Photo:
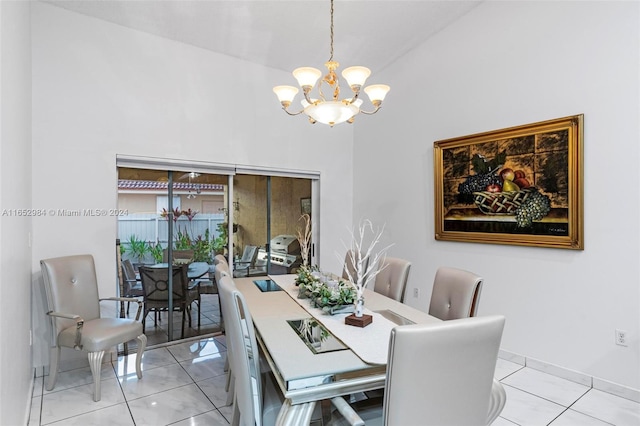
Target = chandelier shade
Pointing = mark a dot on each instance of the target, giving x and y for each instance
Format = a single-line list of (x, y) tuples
[(331, 110), (307, 76)]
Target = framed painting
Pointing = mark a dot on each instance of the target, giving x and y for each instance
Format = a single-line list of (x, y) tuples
[(305, 205), (522, 186)]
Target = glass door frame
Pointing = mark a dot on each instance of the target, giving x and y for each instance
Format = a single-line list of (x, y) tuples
[(314, 177), (187, 166)]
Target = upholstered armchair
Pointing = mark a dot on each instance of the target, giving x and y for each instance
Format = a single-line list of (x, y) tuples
[(73, 305)]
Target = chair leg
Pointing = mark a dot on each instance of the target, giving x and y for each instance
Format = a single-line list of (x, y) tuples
[(235, 418), (184, 310), (231, 387), (199, 311), (95, 362), (220, 310), (54, 356), (144, 318), (142, 344)]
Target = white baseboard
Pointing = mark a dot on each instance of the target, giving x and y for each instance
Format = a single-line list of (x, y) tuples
[(575, 376), (616, 389)]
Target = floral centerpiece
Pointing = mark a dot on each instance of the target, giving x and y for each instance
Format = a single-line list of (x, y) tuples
[(332, 296)]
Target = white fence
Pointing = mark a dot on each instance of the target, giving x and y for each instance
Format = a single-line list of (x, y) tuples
[(155, 229)]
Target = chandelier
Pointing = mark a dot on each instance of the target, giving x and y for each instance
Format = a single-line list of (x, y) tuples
[(331, 110)]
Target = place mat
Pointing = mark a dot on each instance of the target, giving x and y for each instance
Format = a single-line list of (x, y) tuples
[(370, 344)]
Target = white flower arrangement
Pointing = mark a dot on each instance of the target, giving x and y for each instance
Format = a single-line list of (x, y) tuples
[(364, 260)]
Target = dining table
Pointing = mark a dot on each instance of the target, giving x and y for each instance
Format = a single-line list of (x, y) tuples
[(194, 271), (315, 356)]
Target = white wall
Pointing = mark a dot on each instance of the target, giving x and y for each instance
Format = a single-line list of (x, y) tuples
[(16, 373), (100, 90), (506, 64)]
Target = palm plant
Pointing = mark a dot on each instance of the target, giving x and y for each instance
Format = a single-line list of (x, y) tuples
[(138, 249)]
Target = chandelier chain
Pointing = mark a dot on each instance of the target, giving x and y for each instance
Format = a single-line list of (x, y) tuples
[(331, 57)]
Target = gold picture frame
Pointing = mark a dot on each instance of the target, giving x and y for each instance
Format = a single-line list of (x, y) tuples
[(542, 203)]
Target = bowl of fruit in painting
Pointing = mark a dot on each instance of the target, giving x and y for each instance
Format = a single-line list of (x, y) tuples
[(507, 192)]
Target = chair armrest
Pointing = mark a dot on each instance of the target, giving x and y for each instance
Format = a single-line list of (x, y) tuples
[(127, 299), (79, 324), (347, 411)]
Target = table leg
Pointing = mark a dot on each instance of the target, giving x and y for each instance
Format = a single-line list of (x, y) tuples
[(295, 415)]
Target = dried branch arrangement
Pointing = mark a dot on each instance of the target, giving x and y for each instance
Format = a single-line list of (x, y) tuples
[(366, 263), (304, 238)]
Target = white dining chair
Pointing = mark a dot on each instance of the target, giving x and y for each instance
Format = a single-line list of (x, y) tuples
[(218, 259), (440, 374), (221, 271), (350, 260), (257, 400), (455, 294), (392, 278)]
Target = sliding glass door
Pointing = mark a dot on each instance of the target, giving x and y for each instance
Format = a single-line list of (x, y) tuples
[(268, 215), (186, 209), (199, 210)]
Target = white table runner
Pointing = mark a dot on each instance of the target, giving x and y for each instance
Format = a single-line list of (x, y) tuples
[(370, 344)]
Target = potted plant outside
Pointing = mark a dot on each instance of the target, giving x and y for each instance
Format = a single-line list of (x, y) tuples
[(138, 250)]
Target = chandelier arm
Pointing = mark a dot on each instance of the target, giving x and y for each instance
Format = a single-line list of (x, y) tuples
[(292, 113), (355, 97), (307, 98), (320, 93), (371, 112)]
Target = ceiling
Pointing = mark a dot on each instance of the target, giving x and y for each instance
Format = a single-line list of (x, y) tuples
[(285, 34)]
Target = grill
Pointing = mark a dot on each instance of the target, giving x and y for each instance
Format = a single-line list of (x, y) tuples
[(285, 254)]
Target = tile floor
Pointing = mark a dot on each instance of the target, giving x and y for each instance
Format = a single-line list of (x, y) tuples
[(184, 384)]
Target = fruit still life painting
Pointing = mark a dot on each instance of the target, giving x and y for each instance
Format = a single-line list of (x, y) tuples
[(504, 192), (512, 186)]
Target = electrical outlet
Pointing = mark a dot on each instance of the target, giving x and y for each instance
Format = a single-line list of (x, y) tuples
[(621, 337), (416, 293)]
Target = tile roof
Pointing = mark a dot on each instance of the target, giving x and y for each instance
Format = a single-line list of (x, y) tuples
[(142, 185)]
